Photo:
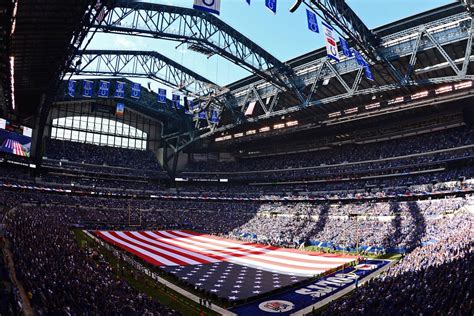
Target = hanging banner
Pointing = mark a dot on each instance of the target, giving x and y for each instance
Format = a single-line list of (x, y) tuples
[(119, 89), (360, 60), (71, 88), (136, 90), (120, 109), (312, 21), (87, 88), (331, 46), (189, 109), (176, 101), (272, 5), (214, 117), (202, 115), (346, 49), (103, 89), (211, 6), (368, 73), (161, 98)]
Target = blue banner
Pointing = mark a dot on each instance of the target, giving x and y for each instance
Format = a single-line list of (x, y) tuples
[(176, 101), (312, 21), (360, 60), (119, 90), (87, 88), (272, 5), (368, 73), (71, 88), (161, 98), (214, 117), (190, 108), (202, 115), (293, 300), (136, 90), (346, 49), (103, 89)]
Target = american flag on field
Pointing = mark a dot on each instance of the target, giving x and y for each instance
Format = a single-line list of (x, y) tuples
[(228, 268), (13, 146)]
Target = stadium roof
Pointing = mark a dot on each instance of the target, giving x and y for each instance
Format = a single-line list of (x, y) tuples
[(40, 46)]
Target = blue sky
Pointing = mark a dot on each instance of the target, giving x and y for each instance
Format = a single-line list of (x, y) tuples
[(285, 35)]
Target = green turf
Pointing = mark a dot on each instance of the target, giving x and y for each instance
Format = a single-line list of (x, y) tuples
[(142, 282)]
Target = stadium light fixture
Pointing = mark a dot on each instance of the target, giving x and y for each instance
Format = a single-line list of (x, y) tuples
[(15, 9), (12, 79)]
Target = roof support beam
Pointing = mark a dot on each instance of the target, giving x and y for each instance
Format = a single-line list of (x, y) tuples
[(143, 64), (198, 29)]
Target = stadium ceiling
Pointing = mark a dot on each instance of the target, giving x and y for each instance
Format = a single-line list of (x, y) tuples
[(42, 45), (144, 64), (202, 31), (431, 48)]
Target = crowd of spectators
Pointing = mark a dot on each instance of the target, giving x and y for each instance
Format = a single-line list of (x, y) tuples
[(351, 153), (434, 279), (62, 278), (101, 155), (384, 225)]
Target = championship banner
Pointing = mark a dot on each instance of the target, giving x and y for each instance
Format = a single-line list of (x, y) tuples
[(189, 109), (119, 89), (103, 89), (272, 5), (211, 6), (312, 21), (71, 88), (331, 46), (214, 117), (136, 90), (202, 115), (120, 109), (176, 101), (346, 49), (161, 98), (87, 88)]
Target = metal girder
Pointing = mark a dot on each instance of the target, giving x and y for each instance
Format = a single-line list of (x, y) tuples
[(422, 39), (145, 64), (198, 29), (340, 13), (393, 46)]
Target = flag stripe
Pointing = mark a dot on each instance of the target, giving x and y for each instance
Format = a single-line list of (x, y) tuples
[(171, 256), (148, 257), (271, 250), (257, 258)]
